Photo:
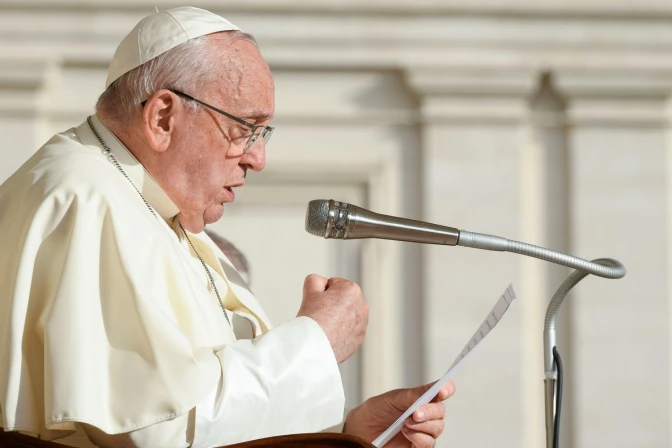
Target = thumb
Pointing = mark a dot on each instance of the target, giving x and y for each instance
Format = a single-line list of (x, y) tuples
[(314, 283), (409, 396)]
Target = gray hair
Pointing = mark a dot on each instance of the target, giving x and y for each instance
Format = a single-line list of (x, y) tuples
[(187, 67)]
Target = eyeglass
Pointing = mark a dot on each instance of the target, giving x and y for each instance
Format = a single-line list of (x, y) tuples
[(257, 131)]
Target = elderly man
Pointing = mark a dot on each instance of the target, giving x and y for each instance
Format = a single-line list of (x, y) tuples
[(122, 322)]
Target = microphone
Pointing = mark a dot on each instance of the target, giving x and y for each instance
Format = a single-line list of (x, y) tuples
[(334, 219)]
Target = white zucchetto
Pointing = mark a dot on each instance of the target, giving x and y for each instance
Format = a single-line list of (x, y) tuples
[(161, 31)]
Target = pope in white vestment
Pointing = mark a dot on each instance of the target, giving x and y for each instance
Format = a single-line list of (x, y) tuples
[(110, 320)]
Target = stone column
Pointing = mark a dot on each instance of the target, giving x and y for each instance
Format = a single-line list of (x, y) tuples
[(620, 342), (23, 87), (472, 133), (668, 231), (544, 199)]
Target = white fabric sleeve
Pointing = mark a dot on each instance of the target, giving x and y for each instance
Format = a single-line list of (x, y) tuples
[(285, 381), (339, 427)]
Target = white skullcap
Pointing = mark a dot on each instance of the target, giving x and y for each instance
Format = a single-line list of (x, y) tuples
[(160, 32)]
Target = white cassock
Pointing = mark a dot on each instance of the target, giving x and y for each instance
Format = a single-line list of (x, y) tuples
[(108, 322)]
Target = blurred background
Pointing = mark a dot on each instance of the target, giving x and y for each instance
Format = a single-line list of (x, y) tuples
[(544, 121)]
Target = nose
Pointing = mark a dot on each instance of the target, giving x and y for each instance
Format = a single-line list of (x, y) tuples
[(256, 158)]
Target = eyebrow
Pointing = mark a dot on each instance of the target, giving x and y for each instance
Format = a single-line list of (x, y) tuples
[(256, 115)]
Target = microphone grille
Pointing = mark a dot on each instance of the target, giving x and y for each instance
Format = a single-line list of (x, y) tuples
[(317, 217)]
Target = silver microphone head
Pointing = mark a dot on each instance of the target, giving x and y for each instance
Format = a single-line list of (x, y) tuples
[(343, 221), (317, 217), (330, 219)]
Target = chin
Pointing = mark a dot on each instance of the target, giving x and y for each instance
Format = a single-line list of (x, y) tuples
[(213, 213)]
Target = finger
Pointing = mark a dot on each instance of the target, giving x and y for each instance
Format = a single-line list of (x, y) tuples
[(314, 283), (332, 282), (337, 282), (418, 439), (430, 411), (433, 428), (407, 397), (446, 392)]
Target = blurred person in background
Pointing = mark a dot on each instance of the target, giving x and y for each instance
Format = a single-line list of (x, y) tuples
[(124, 323), (235, 256)]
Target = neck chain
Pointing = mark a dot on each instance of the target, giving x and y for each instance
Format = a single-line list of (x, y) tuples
[(115, 162)]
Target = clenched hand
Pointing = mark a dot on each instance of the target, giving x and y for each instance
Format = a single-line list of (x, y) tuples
[(339, 307)]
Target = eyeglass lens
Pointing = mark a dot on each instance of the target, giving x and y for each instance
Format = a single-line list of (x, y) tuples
[(264, 132)]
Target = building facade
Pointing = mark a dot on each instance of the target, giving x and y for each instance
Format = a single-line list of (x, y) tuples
[(545, 122)]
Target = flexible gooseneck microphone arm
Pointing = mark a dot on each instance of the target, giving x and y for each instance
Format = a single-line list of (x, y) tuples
[(334, 219), (602, 267)]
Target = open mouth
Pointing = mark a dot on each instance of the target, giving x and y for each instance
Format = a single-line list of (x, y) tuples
[(230, 194)]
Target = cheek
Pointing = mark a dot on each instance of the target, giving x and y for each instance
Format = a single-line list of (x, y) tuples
[(213, 171), (207, 192), (217, 173), (208, 168)]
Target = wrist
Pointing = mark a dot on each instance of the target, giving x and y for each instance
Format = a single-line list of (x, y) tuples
[(352, 421)]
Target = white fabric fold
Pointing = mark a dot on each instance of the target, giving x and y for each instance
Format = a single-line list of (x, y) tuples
[(276, 375), (220, 420)]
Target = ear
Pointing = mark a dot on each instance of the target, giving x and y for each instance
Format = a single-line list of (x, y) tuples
[(159, 115)]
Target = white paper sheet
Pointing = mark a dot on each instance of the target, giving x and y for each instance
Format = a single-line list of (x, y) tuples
[(486, 327)]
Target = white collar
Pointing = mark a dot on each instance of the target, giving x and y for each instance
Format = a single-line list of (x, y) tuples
[(143, 181)]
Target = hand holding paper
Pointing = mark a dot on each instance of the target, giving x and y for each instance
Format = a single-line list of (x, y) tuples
[(491, 320), (374, 416)]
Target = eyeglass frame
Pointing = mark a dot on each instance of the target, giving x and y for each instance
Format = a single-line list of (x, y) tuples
[(267, 131)]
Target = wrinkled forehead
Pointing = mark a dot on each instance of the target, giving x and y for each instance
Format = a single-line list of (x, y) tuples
[(242, 78)]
